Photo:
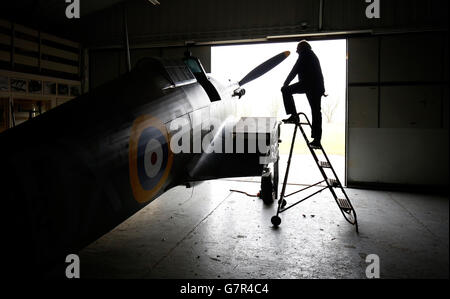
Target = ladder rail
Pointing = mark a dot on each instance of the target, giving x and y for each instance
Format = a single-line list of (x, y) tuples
[(300, 201), (316, 159), (342, 189), (317, 163), (334, 174), (283, 190), (306, 188), (281, 202)]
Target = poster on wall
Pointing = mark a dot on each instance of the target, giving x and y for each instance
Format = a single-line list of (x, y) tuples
[(18, 85)]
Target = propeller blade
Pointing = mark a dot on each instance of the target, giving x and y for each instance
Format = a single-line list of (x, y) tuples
[(264, 67)]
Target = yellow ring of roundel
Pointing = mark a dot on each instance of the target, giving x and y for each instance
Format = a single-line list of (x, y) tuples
[(139, 125)]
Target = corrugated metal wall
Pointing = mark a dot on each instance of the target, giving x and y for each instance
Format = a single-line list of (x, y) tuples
[(177, 21), (201, 20)]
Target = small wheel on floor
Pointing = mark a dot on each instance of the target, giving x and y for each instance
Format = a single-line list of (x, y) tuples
[(276, 221)]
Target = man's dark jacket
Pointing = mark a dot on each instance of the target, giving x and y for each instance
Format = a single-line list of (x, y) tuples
[(309, 72)]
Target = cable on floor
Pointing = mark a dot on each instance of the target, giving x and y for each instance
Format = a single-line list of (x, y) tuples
[(249, 195)]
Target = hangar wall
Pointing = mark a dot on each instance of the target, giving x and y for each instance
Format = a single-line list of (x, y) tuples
[(398, 110), (166, 28), (395, 15), (396, 99), (106, 65), (176, 21)]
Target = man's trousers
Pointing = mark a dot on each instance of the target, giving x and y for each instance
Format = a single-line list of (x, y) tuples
[(314, 99)]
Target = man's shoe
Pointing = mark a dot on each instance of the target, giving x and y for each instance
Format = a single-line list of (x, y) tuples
[(315, 144), (293, 119)]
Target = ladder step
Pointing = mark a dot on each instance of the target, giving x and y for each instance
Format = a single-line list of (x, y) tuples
[(304, 124), (333, 183), (344, 204), (315, 147), (324, 164)]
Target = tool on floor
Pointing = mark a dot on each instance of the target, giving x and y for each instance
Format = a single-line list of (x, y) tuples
[(333, 183)]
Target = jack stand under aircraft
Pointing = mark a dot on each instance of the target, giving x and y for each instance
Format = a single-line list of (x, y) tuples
[(333, 184)]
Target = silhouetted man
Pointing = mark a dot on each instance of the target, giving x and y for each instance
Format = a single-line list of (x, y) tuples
[(310, 82)]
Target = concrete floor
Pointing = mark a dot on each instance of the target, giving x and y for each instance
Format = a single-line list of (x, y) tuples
[(210, 232)]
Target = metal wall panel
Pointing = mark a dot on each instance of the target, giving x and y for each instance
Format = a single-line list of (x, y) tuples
[(363, 107), (445, 108), (394, 14), (411, 107), (177, 21), (398, 157), (409, 143), (445, 54), (412, 58), (363, 60), (346, 14)]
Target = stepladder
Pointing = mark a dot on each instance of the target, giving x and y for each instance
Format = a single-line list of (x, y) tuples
[(329, 180)]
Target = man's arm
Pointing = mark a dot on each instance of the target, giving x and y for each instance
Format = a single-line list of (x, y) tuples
[(292, 74)]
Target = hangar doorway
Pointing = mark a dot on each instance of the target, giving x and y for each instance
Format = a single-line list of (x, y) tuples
[(263, 97)]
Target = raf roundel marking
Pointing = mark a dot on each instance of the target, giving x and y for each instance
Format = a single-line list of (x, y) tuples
[(150, 158), (153, 158)]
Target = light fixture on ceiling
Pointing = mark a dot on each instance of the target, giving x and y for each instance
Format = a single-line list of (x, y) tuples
[(154, 2)]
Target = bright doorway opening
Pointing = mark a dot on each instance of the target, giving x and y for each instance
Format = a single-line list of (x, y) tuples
[(263, 97)]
